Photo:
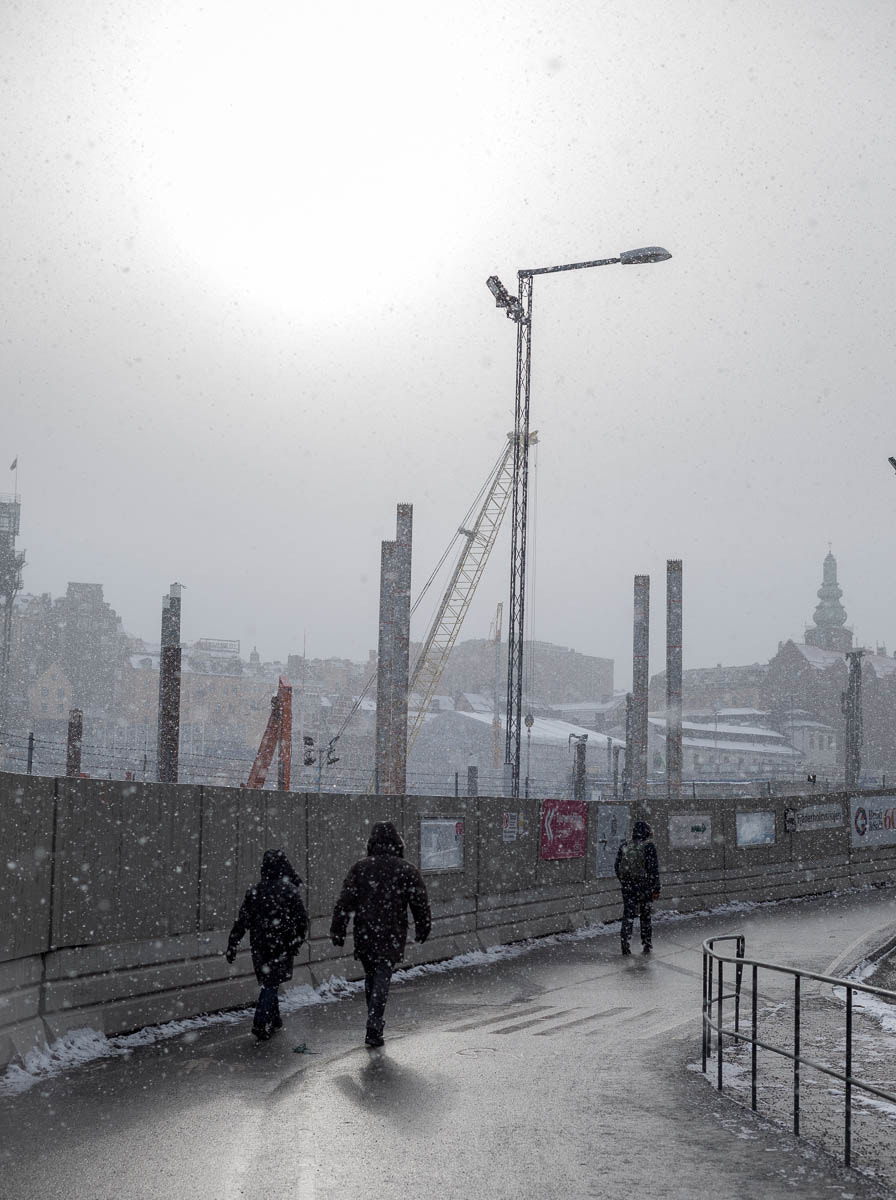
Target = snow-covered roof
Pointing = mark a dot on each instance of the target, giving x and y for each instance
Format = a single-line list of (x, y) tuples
[(546, 729), (880, 664), (713, 728), (760, 748)]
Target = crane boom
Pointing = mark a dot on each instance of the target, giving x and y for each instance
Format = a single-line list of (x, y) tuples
[(477, 546)]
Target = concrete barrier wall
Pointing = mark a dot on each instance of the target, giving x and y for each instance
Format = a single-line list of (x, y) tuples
[(117, 897)]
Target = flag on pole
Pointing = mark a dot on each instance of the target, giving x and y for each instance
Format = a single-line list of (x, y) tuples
[(14, 463)]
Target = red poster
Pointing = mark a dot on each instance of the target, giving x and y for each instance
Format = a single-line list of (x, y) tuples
[(564, 828)]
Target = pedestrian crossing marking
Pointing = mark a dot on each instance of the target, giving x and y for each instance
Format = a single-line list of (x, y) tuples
[(609, 1012), (497, 1020)]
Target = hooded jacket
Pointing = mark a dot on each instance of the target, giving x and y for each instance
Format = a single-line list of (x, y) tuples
[(379, 889), (649, 883), (275, 917)]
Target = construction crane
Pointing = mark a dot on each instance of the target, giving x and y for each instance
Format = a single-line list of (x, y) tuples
[(277, 736), (477, 545), (495, 638)]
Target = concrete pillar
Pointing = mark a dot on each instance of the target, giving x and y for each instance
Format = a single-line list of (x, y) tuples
[(578, 775), (616, 752), (852, 710), (401, 648), (73, 744), (673, 676), (472, 780), (384, 670), (169, 687), (627, 760), (640, 680)]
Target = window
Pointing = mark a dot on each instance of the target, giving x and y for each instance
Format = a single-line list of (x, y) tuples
[(44, 691), (60, 693)]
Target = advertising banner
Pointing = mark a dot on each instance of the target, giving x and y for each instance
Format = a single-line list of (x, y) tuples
[(441, 843), (818, 816), (755, 828), (564, 828), (872, 821), (690, 830)]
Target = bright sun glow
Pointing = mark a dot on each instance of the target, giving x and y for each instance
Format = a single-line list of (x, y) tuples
[(292, 156)]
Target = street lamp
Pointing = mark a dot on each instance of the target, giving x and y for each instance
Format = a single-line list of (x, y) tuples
[(519, 309)]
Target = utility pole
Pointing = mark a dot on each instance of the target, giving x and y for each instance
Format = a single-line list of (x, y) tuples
[(169, 687), (519, 309), (852, 710)]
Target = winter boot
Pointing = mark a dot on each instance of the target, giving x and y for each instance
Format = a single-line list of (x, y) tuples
[(262, 1032), (373, 1038), (626, 948), (646, 949)]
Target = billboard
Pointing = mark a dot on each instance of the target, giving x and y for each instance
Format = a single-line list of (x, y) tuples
[(872, 821), (441, 843), (755, 828), (564, 828)]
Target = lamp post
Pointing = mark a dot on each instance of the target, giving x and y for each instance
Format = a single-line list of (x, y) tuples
[(519, 309)]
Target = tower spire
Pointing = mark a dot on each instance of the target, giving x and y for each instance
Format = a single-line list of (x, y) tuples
[(829, 631)]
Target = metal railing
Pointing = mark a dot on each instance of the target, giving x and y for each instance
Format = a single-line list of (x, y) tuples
[(716, 997)]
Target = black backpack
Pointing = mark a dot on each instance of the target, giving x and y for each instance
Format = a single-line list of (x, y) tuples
[(633, 862)]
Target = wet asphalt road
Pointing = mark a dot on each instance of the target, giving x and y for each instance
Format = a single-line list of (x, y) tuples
[(558, 1074)]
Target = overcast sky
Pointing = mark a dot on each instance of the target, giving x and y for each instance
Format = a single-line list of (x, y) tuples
[(244, 307)]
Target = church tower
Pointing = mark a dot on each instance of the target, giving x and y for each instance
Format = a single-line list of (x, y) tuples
[(829, 631)]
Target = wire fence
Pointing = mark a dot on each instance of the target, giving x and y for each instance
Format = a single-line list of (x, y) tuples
[(135, 759)]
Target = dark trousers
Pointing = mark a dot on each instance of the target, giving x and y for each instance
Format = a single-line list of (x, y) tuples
[(636, 902), (267, 1010), (377, 977)]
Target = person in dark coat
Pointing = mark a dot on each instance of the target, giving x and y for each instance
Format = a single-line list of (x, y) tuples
[(638, 871), (275, 917), (378, 890)]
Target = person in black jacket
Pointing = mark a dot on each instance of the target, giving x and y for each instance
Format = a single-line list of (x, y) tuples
[(638, 872), (275, 917), (378, 890)]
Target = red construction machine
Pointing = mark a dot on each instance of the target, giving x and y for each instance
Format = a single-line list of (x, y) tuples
[(277, 736)]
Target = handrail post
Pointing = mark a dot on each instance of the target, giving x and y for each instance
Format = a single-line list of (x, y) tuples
[(719, 1029), (796, 1055), (847, 1132), (703, 1023), (738, 977), (753, 1030)]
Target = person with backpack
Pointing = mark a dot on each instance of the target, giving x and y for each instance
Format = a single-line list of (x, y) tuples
[(638, 871), (379, 889), (275, 917)]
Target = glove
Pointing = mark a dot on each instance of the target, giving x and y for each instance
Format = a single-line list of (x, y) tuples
[(230, 954), (337, 941)]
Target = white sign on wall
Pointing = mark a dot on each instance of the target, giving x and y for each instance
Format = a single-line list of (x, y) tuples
[(690, 830), (872, 820), (755, 828), (818, 816), (441, 844)]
